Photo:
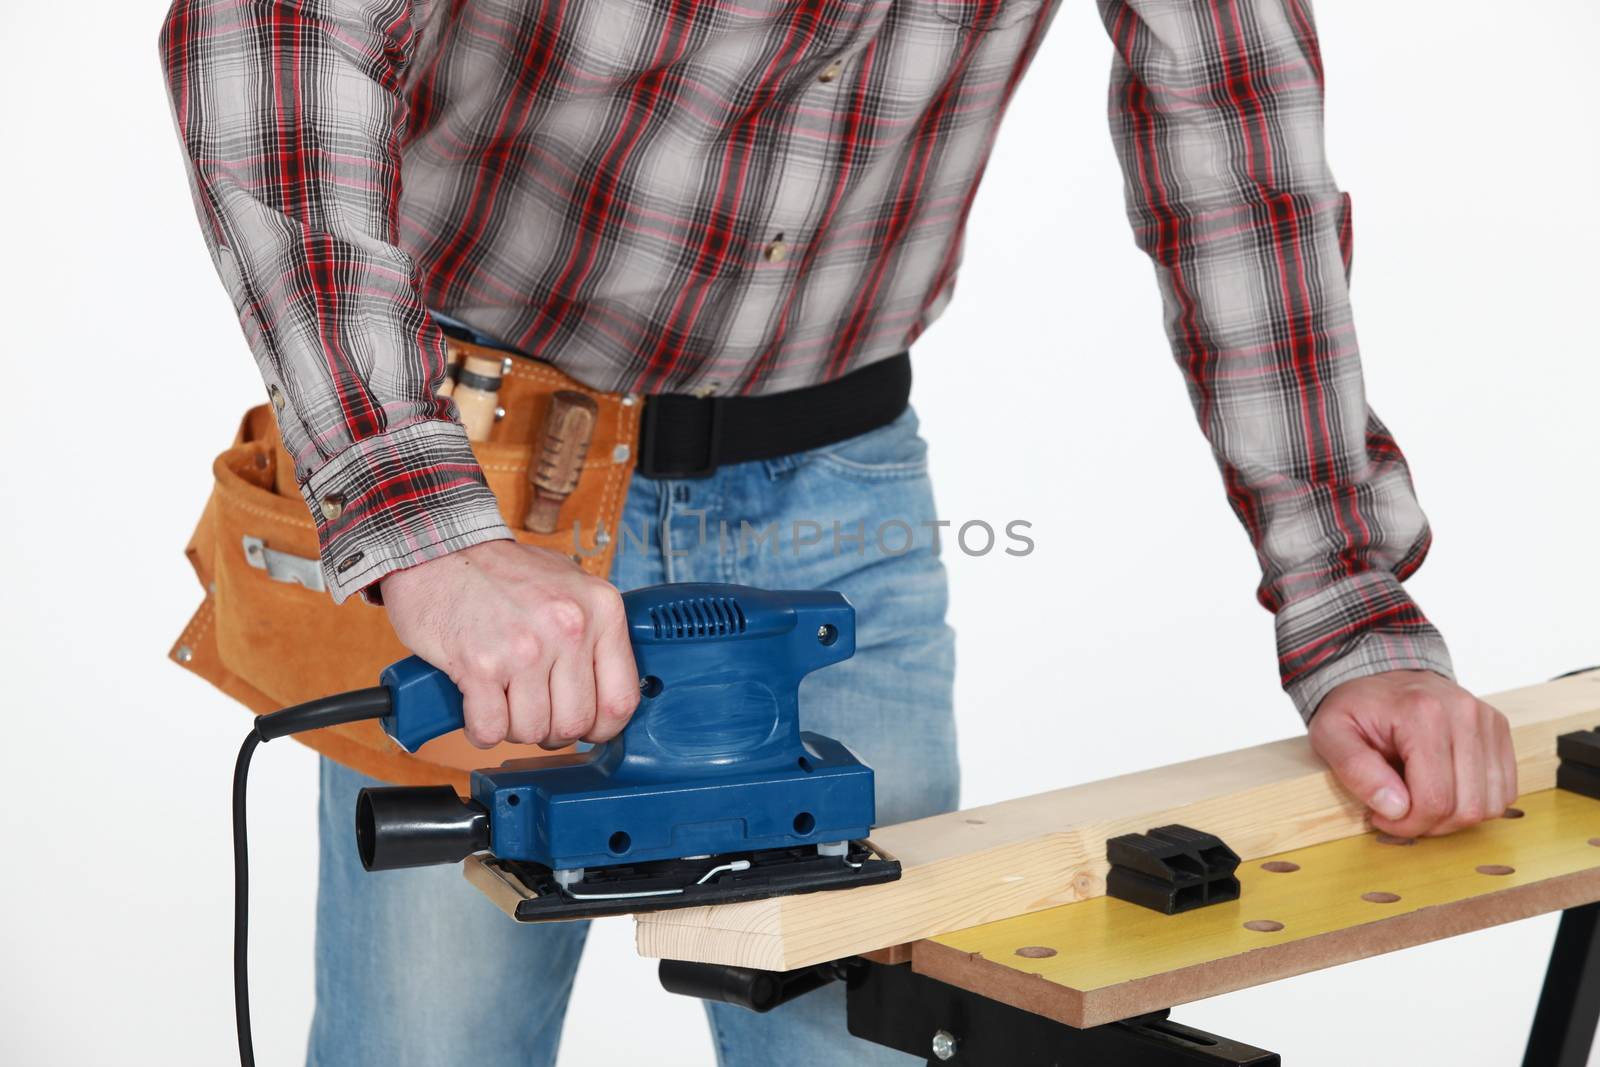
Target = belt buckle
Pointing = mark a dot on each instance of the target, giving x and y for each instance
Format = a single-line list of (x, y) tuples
[(647, 441)]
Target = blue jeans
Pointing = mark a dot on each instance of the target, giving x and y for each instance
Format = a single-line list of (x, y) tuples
[(416, 968)]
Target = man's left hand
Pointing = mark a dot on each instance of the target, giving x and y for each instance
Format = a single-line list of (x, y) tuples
[(1426, 756)]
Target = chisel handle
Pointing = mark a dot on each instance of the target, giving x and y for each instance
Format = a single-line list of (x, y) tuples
[(564, 444)]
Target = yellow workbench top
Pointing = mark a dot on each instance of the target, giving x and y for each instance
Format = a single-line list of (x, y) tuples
[(1102, 959)]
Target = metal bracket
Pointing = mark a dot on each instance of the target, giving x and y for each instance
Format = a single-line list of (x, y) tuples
[(890, 1005), (282, 567), (893, 1006)]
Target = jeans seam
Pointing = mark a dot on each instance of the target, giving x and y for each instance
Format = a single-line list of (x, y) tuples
[(874, 472)]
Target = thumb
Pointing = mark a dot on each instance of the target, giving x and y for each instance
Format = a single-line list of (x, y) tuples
[(1362, 769)]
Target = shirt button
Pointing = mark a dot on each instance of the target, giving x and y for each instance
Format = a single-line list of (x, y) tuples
[(332, 506), (777, 251), (277, 397), (832, 71)]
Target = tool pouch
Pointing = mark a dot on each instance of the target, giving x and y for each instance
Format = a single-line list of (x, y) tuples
[(269, 636)]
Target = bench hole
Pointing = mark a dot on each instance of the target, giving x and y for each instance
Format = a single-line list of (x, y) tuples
[(1036, 952), (1264, 926), (1280, 866), (1495, 869), (1390, 839), (1380, 898), (1513, 813)]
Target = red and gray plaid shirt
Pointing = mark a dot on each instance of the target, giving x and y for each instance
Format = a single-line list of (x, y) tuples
[(702, 195)]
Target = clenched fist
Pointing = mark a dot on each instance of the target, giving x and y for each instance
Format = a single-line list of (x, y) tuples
[(1424, 754), (538, 648)]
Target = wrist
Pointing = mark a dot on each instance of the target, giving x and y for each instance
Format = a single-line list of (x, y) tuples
[(395, 500), (1354, 628)]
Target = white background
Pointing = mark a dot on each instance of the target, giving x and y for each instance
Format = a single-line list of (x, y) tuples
[(1466, 133)]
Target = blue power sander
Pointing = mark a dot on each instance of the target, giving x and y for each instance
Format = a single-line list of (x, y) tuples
[(712, 793)]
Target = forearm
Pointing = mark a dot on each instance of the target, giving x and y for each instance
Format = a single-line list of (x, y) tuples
[(1217, 113), (291, 122)]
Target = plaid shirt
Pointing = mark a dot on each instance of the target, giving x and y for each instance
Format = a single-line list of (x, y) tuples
[(698, 195)]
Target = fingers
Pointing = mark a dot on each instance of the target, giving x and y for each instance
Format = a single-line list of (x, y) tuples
[(1495, 763), (1471, 763), (483, 705), (579, 637), (572, 698), (1507, 751), (530, 705), (1360, 767), (538, 648), (1424, 738), (616, 675), (1455, 751)]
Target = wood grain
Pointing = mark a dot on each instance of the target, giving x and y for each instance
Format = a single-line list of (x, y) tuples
[(1101, 960), (1022, 856)]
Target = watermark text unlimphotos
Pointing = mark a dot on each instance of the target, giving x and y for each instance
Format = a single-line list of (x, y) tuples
[(888, 537)]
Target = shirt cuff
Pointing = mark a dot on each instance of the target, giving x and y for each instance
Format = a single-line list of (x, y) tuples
[(1359, 626), (398, 499)]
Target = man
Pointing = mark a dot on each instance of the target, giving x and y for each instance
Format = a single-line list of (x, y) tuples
[(745, 201)]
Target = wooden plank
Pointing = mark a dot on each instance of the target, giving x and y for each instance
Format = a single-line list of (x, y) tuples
[(1101, 960), (1021, 856)]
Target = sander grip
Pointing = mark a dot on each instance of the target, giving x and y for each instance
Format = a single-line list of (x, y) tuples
[(425, 703)]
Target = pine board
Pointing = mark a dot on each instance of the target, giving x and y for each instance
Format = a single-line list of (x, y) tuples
[(982, 865)]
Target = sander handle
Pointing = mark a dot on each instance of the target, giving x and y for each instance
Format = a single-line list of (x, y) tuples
[(424, 703), (688, 634)]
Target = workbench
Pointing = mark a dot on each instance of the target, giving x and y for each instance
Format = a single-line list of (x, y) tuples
[(1092, 980)]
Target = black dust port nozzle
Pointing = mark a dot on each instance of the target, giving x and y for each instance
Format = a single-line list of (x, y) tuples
[(417, 826)]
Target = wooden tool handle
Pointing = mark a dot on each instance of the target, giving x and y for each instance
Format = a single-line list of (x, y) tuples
[(477, 394), (568, 428), (452, 367)]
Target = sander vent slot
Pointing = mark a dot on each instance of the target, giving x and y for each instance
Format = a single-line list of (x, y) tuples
[(701, 616)]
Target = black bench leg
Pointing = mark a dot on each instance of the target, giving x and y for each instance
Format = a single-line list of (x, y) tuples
[(1569, 1006)]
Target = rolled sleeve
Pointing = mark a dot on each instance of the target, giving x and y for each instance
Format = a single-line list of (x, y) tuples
[(398, 499), (1354, 628)]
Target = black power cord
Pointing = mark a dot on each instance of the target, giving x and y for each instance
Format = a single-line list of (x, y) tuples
[(354, 706)]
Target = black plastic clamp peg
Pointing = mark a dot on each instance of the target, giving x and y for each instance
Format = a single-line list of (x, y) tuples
[(1171, 869), (1579, 770)]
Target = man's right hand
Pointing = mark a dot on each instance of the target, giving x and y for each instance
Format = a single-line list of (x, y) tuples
[(538, 648)]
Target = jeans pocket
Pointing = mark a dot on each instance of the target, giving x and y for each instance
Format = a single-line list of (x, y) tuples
[(891, 452)]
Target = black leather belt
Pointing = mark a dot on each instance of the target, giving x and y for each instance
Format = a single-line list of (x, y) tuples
[(682, 436)]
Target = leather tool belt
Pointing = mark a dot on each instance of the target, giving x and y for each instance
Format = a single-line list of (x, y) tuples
[(269, 635)]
